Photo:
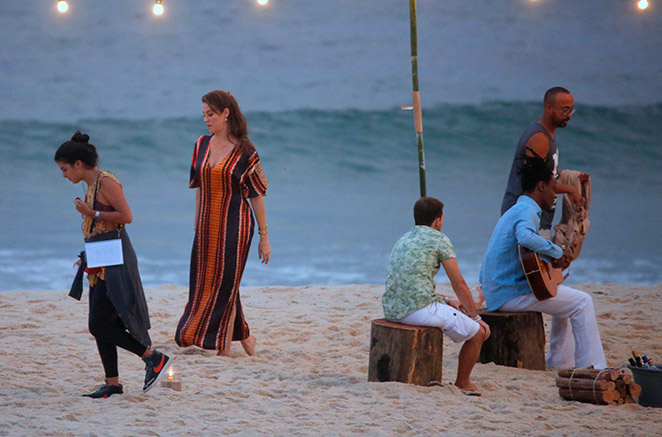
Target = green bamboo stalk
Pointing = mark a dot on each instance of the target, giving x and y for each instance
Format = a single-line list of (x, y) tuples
[(418, 117)]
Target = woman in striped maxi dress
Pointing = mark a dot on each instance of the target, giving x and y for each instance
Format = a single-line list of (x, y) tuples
[(228, 178)]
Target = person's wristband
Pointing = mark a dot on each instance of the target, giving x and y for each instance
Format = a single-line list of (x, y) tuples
[(262, 230), (97, 214), (477, 318)]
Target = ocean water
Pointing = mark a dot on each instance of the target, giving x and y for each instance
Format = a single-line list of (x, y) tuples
[(321, 84)]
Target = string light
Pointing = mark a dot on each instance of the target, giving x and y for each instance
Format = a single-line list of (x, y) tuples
[(158, 8), (62, 6)]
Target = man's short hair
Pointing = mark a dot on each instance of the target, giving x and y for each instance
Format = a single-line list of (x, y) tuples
[(550, 95), (427, 210), (534, 170)]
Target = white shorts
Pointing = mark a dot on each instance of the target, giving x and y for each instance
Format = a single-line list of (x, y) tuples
[(452, 322)]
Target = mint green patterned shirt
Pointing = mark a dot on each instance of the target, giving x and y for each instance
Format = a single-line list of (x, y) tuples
[(415, 261)]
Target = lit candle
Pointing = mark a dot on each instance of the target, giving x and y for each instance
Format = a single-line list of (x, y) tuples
[(173, 381)]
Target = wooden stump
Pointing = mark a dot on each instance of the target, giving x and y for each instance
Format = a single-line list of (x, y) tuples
[(517, 340), (404, 353)]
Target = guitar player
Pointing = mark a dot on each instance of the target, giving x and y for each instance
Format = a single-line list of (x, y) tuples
[(574, 337)]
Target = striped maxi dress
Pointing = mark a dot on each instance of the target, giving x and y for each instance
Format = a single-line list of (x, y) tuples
[(223, 235)]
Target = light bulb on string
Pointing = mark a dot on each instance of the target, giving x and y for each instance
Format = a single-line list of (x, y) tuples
[(62, 6), (643, 4), (158, 8)]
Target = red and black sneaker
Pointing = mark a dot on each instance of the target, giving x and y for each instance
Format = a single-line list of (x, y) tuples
[(105, 391), (155, 367)]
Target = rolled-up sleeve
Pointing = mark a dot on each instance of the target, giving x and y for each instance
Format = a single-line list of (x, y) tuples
[(254, 182), (527, 236)]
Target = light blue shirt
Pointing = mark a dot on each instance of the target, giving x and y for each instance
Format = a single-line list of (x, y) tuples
[(502, 276)]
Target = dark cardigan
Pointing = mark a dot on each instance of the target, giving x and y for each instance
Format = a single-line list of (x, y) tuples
[(123, 286)]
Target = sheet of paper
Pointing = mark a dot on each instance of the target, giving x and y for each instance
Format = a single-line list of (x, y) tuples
[(104, 253)]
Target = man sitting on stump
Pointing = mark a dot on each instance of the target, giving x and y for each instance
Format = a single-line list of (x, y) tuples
[(410, 296), (574, 337)]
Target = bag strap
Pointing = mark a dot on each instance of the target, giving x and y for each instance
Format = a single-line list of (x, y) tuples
[(94, 200)]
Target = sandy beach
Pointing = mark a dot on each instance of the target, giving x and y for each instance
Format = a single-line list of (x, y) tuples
[(309, 376)]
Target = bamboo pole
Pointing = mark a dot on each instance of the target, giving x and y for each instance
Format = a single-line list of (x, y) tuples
[(418, 117)]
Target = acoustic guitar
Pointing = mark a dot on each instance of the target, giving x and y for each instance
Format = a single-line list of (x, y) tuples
[(543, 279)]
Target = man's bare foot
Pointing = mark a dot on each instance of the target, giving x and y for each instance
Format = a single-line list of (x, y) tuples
[(224, 353), (470, 385), (469, 389), (249, 345)]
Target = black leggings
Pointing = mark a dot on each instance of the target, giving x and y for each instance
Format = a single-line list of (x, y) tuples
[(108, 330)]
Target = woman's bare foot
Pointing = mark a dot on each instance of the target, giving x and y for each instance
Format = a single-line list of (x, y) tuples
[(249, 345), (224, 353)]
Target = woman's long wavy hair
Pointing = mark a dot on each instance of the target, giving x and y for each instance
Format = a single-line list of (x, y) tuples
[(219, 100)]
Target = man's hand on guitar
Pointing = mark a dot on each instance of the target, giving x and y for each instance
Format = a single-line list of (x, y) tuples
[(563, 262)]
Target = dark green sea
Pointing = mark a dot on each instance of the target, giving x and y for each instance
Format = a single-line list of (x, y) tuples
[(342, 186)]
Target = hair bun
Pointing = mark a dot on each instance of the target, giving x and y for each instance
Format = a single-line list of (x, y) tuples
[(80, 137)]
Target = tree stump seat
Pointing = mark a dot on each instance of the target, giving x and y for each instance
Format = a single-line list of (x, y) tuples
[(517, 340), (405, 353)]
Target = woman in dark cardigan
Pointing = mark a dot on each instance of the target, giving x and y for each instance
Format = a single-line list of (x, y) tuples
[(118, 310)]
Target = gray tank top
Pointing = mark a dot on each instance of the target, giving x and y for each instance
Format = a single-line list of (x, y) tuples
[(514, 186)]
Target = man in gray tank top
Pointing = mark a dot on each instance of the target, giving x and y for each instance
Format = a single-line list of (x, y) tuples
[(539, 139)]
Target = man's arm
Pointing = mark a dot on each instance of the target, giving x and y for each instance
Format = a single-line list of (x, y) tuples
[(576, 198), (462, 291), (459, 285), (526, 235), (538, 144)]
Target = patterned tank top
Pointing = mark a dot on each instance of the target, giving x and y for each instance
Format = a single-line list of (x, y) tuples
[(93, 226)]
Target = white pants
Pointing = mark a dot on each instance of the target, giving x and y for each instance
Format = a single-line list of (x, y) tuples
[(574, 337), (452, 322)]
